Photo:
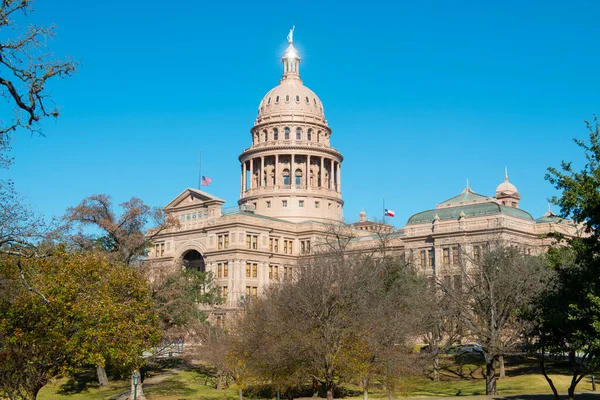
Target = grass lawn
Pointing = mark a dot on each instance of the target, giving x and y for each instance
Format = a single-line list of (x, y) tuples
[(457, 379)]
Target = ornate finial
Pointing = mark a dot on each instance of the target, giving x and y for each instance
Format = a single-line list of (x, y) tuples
[(505, 174), (290, 36), (467, 184)]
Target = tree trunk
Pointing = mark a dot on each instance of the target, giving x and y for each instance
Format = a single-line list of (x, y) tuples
[(240, 394), (390, 394), (219, 381), (436, 368), (137, 393), (571, 392), (315, 388), (541, 359), (365, 385), (101, 374), (490, 376), (329, 386), (501, 365)]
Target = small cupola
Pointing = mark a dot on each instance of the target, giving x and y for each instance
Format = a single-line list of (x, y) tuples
[(507, 193)]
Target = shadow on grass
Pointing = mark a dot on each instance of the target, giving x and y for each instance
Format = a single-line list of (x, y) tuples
[(169, 387), (80, 381)]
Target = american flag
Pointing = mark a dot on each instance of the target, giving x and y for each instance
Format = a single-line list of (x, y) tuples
[(206, 180)]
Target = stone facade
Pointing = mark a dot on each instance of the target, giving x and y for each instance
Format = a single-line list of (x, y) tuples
[(291, 196)]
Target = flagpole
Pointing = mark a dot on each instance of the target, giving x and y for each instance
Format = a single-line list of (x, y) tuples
[(383, 210), (200, 170)]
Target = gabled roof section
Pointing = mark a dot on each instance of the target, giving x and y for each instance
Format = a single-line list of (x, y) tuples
[(192, 198), (467, 196)]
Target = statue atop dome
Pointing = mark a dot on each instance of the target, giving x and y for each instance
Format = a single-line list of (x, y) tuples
[(290, 36)]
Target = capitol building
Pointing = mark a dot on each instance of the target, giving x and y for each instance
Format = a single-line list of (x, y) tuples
[(291, 196)]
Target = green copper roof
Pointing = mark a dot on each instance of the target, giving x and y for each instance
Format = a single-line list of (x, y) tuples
[(469, 210), (550, 217), (467, 196)]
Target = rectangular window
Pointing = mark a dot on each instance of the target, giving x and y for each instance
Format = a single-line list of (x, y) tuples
[(254, 291), (300, 203), (457, 282), (252, 242), (287, 273), (224, 294), (270, 272), (248, 288), (248, 269), (268, 204), (477, 253), (423, 259), (225, 269), (254, 270), (446, 256), (455, 256), (223, 241), (317, 204), (431, 258), (270, 244), (283, 203), (305, 247), (219, 270), (288, 246)]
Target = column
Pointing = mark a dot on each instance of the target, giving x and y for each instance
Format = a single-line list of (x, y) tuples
[(244, 180), (331, 175), (307, 171), (276, 169), (293, 170), (322, 172), (251, 172), (262, 172), (339, 177), (230, 288)]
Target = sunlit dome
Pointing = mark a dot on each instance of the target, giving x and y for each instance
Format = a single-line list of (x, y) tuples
[(291, 97)]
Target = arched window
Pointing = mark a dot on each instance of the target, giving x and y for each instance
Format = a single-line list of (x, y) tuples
[(309, 134), (269, 101), (286, 132), (286, 176), (287, 97), (298, 133), (298, 176), (277, 99), (307, 100), (275, 134), (297, 98)]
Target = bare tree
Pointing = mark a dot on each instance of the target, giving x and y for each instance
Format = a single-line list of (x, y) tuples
[(26, 66), (492, 290), (344, 317), (124, 236)]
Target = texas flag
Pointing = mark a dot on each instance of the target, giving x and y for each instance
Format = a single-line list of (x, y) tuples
[(389, 213), (206, 180)]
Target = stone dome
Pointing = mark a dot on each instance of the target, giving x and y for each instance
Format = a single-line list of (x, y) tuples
[(506, 187), (291, 97)]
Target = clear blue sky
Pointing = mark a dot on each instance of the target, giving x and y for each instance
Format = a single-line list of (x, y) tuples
[(421, 95)]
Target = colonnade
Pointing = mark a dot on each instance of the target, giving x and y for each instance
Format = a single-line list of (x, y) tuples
[(281, 171)]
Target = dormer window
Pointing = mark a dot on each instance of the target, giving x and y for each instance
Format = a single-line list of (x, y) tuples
[(277, 99), (287, 97), (269, 101), (297, 98)]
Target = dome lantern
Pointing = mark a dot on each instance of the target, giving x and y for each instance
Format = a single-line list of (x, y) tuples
[(291, 59)]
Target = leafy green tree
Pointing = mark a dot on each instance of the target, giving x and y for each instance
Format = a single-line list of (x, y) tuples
[(94, 311), (566, 316)]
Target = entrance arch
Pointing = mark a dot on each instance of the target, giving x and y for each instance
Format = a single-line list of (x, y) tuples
[(194, 260)]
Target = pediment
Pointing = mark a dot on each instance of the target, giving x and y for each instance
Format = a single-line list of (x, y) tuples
[(191, 198)]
